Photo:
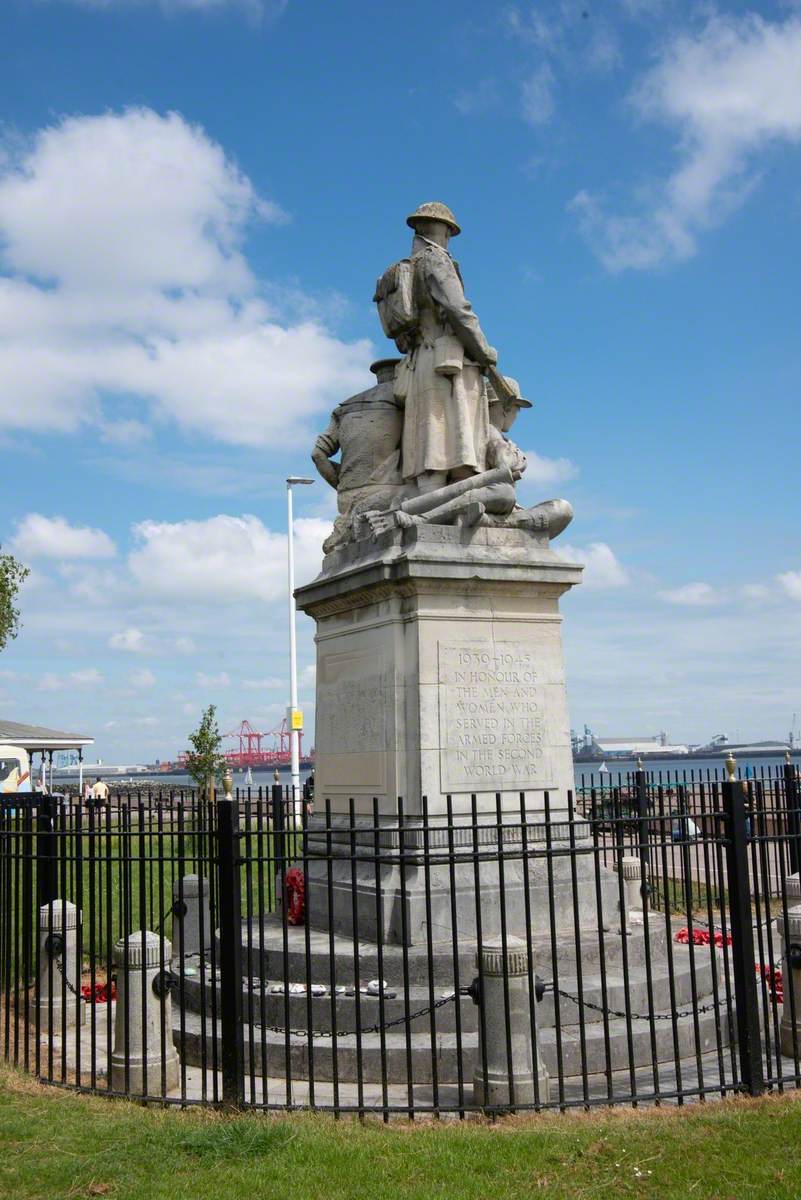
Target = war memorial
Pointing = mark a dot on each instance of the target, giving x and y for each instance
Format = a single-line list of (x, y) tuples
[(456, 926)]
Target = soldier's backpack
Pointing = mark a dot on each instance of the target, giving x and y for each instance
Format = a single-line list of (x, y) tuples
[(394, 295)]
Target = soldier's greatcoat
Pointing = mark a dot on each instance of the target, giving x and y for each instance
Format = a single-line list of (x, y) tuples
[(446, 419)]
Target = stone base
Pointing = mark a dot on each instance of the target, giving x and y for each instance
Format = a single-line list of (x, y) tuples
[(134, 1082), (54, 1016), (439, 674), (405, 896), (790, 1036), (498, 1091)]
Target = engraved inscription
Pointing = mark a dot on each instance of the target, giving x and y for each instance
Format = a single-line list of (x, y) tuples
[(491, 721)]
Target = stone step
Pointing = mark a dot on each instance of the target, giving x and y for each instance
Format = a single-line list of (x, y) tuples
[(263, 1007), (264, 954), (278, 1054)]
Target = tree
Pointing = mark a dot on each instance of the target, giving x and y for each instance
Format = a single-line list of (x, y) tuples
[(12, 576), (204, 762)]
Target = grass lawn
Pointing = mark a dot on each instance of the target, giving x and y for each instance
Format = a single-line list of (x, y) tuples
[(59, 1145)]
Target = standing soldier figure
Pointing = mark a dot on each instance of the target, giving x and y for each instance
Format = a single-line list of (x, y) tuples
[(422, 306)]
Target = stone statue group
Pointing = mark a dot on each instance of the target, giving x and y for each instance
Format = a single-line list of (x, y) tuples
[(429, 442)]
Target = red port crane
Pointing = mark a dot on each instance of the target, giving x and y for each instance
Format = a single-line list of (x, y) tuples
[(250, 752)]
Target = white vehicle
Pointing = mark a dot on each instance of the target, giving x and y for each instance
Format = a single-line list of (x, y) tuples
[(15, 770)]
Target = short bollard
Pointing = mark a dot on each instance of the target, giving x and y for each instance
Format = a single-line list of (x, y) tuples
[(498, 1086), (631, 872), (191, 915), (790, 1029), (143, 1021), (57, 998), (793, 892)]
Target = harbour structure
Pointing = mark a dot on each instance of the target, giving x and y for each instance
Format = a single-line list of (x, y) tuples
[(251, 752)]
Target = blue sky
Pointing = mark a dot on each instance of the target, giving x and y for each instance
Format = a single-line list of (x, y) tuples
[(196, 197)]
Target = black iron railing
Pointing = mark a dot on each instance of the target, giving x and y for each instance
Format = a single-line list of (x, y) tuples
[(639, 943)]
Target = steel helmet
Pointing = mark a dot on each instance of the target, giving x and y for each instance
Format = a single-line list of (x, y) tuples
[(433, 210)]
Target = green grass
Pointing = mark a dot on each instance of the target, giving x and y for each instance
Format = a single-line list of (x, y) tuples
[(123, 882), (673, 892), (57, 1145)]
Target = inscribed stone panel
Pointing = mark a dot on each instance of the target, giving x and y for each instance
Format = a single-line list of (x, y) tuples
[(491, 718)]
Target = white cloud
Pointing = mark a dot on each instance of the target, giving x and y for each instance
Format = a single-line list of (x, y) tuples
[(134, 285), (602, 569), (143, 679), (546, 472), (221, 680), (50, 682), (536, 96), (133, 641), (263, 685), (755, 591), (790, 582), (223, 558), (88, 677), (185, 645), (692, 595), (54, 537), (728, 93)]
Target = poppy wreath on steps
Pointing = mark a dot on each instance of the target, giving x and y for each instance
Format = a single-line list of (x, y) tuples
[(295, 888)]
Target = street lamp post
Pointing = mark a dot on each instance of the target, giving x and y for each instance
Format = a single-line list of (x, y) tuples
[(294, 738)]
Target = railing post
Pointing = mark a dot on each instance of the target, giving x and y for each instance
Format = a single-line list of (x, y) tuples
[(230, 898), (641, 787), (792, 800), (46, 850), (749, 1042), (279, 836)]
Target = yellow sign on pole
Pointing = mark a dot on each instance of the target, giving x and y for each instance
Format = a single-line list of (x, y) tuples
[(295, 720)]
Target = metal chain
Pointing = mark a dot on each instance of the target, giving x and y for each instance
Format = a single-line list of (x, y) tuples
[(632, 1016), (343, 1033), (60, 970)]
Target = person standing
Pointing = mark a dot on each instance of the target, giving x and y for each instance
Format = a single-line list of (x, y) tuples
[(100, 790), (439, 381)]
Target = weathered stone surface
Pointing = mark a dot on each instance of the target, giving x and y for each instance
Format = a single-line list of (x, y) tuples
[(143, 1019), (439, 672), (509, 1067), (57, 1000), (191, 921)]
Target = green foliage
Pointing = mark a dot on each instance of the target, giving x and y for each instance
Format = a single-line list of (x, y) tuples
[(12, 576), (204, 761)]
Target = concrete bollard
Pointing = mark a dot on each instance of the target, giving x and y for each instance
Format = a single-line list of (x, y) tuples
[(190, 902), (631, 870), (790, 1030), (140, 960), (793, 889), (498, 1087), (59, 989)]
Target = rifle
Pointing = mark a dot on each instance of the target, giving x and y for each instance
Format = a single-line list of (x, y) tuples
[(500, 386)]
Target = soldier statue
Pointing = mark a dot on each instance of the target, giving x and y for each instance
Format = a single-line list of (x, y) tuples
[(429, 443)]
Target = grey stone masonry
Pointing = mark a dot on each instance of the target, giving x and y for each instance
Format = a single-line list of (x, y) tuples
[(144, 1060), (509, 1067), (191, 919), (791, 1028), (630, 869), (57, 1000)]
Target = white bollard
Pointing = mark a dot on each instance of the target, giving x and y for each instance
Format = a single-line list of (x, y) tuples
[(137, 1061), (499, 1087), (789, 1029), (631, 871), (58, 994), (190, 902), (793, 889)]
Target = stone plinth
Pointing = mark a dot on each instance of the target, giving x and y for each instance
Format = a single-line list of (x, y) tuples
[(440, 673)]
